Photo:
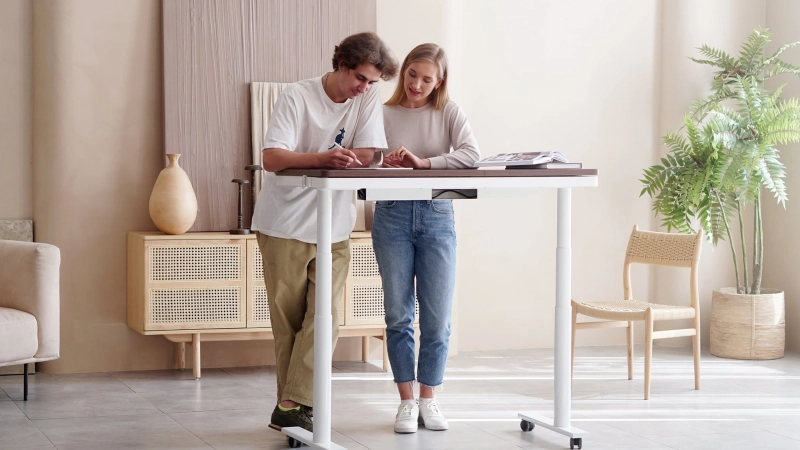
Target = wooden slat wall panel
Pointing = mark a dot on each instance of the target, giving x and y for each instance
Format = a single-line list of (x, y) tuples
[(212, 51)]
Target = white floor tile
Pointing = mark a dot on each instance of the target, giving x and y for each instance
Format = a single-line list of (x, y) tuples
[(731, 441), (120, 432), (741, 405), (21, 433)]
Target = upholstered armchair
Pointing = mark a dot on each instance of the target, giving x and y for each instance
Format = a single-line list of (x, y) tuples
[(29, 304)]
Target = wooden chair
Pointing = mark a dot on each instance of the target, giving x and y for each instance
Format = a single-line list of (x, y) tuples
[(647, 247)]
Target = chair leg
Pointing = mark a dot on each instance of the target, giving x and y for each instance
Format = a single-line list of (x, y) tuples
[(629, 336), (572, 349), (696, 343), (648, 350), (25, 382)]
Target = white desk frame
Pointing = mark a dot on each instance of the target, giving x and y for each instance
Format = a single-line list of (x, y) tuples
[(408, 188)]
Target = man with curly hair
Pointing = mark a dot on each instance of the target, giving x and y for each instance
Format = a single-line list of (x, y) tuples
[(333, 121)]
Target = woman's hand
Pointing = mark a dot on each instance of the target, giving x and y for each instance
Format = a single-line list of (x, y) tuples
[(392, 159), (402, 157)]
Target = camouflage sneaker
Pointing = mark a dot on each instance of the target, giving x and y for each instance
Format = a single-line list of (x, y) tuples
[(292, 418)]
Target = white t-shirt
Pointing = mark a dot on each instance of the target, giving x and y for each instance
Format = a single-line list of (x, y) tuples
[(306, 120)]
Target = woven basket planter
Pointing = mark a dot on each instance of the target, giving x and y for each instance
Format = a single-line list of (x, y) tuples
[(747, 326)]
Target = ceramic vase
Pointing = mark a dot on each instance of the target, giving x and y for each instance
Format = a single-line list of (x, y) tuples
[(173, 204)]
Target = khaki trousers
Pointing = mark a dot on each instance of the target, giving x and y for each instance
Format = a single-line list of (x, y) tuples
[(290, 275)]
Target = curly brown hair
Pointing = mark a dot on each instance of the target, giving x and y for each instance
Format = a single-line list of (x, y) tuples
[(365, 48)]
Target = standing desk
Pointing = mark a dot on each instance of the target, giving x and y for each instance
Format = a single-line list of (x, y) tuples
[(427, 185)]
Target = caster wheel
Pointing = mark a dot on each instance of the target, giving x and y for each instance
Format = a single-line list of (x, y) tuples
[(573, 442), (294, 443), (526, 426)]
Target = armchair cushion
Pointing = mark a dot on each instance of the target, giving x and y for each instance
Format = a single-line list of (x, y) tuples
[(29, 282), (18, 333)]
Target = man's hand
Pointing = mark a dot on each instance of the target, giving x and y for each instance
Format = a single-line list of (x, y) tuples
[(402, 157), (337, 158), (277, 159)]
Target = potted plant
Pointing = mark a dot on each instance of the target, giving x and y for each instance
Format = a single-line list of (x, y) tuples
[(719, 163)]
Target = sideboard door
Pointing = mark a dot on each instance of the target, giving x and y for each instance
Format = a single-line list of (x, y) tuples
[(194, 284)]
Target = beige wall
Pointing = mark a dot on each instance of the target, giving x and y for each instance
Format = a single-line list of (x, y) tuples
[(601, 81), (16, 173), (536, 75), (98, 143), (542, 76), (781, 237), (98, 148)]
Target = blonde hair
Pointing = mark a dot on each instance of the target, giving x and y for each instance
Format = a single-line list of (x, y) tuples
[(428, 53)]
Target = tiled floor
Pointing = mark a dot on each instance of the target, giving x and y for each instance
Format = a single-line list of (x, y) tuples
[(742, 405)]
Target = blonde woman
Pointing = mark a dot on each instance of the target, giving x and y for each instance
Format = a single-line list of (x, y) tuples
[(417, 239)]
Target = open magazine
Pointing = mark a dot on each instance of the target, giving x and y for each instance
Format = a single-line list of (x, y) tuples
[(522, 159)]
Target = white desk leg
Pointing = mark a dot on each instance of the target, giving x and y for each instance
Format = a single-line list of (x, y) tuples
[(563, 397), (563, 323), (323, 332)]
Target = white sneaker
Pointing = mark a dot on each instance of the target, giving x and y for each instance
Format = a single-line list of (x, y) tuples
[(407, 414), (430, 416)]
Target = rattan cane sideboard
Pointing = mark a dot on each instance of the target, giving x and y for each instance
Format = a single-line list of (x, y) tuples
[(198, 287)]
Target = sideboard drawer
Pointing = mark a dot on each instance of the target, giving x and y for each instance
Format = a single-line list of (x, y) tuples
[(195, 308), (214, 281), (187, 282), (194, 261)]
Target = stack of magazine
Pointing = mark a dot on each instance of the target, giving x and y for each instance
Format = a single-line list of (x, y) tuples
[(529, 160)]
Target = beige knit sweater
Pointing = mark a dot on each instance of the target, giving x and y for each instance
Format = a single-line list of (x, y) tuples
[(443, 136)]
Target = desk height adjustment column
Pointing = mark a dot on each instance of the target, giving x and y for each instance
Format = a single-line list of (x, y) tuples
[(323, 331), (563, 322), (562, 410)]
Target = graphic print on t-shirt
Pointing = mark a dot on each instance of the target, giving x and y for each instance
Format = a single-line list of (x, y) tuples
[(338, 139)]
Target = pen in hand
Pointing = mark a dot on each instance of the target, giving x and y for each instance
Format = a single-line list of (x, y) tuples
[(336, 144)]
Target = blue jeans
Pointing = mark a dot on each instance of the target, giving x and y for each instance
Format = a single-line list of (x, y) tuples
[(416, 239)]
